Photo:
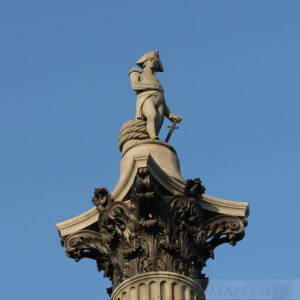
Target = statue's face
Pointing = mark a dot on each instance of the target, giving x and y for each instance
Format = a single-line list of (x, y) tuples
[(152, 63)]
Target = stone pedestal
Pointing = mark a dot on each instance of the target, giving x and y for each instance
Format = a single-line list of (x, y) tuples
[(158, 286)]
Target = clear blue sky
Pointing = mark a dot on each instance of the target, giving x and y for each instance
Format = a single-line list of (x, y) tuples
[(232, 72)]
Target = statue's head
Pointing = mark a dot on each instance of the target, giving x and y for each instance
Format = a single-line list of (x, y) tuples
[(151, 58)]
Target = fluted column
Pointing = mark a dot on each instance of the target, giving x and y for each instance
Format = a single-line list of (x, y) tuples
[(158, 286)]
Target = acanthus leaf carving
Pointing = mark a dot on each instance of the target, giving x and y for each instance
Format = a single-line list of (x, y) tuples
[(86, 242), (153, 231), (215, 227)]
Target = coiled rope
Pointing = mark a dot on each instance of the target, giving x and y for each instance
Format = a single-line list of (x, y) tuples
[(132, 129)]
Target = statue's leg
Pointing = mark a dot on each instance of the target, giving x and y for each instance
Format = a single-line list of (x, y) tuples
[(159, 117), (149, 112)]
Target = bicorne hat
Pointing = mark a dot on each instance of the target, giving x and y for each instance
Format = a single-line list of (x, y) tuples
[(146, 56)]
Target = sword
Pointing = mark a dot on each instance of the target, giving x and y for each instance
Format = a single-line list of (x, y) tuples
[(172, 127)]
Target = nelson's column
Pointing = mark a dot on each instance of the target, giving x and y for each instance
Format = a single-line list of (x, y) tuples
[(153, 234)]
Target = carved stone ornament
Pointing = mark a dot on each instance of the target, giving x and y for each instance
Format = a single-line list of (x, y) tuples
[(154, 231)]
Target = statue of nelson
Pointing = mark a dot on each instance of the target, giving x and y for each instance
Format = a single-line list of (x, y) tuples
[(150, 105)]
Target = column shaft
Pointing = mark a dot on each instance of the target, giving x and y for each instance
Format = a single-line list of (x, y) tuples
[(158, 286)]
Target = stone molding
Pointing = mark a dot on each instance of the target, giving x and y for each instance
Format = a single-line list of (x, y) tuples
[(133, 143)]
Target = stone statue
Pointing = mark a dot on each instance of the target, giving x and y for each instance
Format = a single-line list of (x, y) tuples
[(150, 105)]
